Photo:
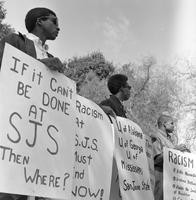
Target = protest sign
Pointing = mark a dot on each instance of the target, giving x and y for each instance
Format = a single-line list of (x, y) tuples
[(37, 126), (131, 159), (179, 175), (150, 157), (93, 152)]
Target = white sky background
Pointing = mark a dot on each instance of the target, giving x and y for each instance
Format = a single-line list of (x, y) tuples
[(124, 30)]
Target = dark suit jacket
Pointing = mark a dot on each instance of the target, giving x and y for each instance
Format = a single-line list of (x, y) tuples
[(114, 103), (21, 42)]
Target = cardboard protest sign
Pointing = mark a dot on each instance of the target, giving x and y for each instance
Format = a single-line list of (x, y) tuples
[(37, 126), (93, 152), (179, 175), (131, 159), (150, 157)]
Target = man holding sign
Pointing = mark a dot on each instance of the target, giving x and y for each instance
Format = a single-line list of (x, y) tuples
[(120, 91), (163, 139), (42, 25)]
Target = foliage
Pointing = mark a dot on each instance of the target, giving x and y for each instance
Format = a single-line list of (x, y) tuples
[(78, 68), (154, 99), (2, 11), (5, 29), (185, 101), (94, 88), (154, 91)]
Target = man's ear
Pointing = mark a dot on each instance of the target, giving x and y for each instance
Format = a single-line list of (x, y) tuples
[(121, 89), (39, 22)]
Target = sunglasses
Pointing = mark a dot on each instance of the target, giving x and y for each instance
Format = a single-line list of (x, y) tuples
[(53, 20)]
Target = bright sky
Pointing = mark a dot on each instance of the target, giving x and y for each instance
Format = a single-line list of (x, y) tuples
[(124, 30)]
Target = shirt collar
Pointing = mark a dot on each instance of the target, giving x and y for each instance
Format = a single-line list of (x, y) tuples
[(38, 42)]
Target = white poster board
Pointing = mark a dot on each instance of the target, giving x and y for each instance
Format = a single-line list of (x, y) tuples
[(131, 159), (179, 175), (37, 126), (94, 152)]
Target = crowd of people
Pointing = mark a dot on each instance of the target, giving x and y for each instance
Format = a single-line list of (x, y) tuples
[(42, 25)]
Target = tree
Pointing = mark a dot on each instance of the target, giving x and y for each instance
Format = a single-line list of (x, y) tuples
[(152, 93), (185, 102), (78, 68), (94, 88), (5, 29)]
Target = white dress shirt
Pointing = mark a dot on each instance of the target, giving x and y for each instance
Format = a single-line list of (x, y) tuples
[(41, 50)]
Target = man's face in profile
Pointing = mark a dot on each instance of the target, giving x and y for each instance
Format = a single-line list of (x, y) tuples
[(126, 91), (169, 126), (50, 27)]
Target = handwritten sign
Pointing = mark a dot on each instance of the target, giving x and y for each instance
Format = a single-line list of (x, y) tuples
[(94, 152), (179, 175), (130, 154), (37, 126), (150, 157)]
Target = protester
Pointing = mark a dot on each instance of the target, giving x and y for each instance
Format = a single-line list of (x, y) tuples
[(162, 139), (120, 91), (42, 25)]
